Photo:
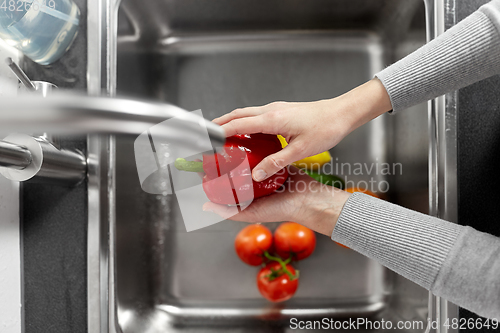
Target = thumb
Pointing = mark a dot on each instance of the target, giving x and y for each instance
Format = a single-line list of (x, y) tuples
[(275, 162)]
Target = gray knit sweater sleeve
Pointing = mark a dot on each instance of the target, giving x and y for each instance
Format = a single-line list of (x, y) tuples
[(464, 54), (457, 263)]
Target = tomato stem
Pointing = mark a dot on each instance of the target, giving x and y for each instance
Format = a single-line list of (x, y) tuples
[(283, 265)]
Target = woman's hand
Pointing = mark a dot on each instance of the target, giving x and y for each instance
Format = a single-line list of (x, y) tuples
[(311, 127), (302, 200)]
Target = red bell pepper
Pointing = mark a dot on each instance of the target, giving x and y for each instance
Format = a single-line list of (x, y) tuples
[(228, 175)]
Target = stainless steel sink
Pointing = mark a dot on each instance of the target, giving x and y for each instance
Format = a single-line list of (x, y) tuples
[(219, 55)]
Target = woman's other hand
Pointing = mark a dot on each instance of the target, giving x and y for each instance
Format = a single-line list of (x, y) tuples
[(302, 200)]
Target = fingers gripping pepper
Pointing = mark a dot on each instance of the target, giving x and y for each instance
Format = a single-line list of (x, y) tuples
[(228, 175)]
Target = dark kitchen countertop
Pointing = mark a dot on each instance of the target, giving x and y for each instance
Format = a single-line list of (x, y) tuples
[(54, 227)]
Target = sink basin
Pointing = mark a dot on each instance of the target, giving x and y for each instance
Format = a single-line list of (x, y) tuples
[(217, 56)]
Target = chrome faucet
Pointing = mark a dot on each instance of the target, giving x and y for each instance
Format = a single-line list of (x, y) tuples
[(23, 157)]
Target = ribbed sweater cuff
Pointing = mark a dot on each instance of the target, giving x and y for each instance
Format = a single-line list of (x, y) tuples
[(412, 244), (466, 53)]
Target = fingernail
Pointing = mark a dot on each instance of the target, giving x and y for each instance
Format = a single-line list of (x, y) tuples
[(208, 210), (259, 175)]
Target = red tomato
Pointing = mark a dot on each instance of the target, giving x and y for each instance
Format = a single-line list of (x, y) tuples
[(251, 242), (274, 284), (295, 239)]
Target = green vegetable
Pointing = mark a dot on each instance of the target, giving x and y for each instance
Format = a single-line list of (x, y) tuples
[(331, 180), (193, 166)]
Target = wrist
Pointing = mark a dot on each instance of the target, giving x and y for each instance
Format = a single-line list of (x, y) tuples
[(323, 210), (367, 102)]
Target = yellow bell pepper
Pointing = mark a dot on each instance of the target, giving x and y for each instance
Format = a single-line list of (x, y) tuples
[(311, 163)]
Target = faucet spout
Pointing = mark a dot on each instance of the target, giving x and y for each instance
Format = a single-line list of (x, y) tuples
[(68, 114), (23, 157)]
